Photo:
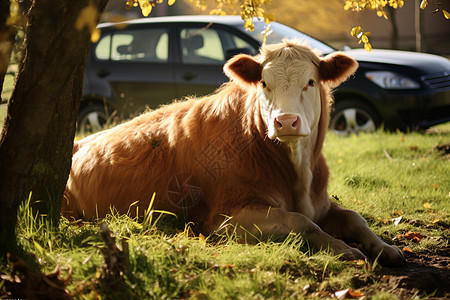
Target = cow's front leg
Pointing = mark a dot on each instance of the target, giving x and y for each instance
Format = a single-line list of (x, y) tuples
[(264, 222), (350, 226)]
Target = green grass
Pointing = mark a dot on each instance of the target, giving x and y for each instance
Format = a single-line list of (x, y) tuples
[(382, 176), (2, 115), (7, 87), (6, 93)]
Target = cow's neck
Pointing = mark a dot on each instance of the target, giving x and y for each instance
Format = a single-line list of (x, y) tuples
[(301, 152)]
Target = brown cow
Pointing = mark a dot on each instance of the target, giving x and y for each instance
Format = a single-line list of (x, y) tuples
[(251, 151)]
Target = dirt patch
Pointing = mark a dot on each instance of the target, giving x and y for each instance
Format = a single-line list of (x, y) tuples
[(426, 274)]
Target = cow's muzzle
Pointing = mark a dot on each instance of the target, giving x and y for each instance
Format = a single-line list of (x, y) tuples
[(287, 125)]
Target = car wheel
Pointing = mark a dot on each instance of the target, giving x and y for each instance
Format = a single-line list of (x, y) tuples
[(353, 116), (92, 118)]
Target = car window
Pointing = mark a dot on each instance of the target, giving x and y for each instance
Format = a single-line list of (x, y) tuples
[(103, 49), (140, 45), (279, 31), (201, 45)]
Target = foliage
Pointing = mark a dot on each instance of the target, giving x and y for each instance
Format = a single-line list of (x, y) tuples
[(380, 7), (248, 9), (146, 6)]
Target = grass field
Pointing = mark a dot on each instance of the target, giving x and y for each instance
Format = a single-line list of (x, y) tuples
[(398, 182)]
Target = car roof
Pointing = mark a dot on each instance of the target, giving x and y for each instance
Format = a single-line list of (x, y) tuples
[(228, 20)]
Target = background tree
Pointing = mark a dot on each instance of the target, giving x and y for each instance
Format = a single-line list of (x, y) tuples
[(37, 137), (382, 9)]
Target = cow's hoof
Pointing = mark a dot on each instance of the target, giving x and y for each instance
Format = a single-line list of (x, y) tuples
[(352, 254), (390, 256)]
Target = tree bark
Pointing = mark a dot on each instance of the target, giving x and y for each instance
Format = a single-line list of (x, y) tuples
[(37, 137), (394, 33)]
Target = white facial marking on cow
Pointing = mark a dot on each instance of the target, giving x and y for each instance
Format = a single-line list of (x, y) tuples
[(290, 99)]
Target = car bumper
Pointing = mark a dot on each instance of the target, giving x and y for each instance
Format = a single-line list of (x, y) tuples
[(416, 111)]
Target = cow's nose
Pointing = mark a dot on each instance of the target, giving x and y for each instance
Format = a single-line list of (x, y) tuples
[(287, 124)]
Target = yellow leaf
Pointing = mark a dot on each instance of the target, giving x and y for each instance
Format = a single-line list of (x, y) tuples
[(171, 2), (435, 221), (427, 205), (249, 24), (269, 18), (446, 14), (365, 39), (423, 4), (87, 17), (146, 7), (356, 31), (368, 47), (95, 35)]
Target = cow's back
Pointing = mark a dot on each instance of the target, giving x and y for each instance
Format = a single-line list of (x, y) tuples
[(201, 158)]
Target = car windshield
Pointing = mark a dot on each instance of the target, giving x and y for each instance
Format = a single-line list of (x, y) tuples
[(280, 31)]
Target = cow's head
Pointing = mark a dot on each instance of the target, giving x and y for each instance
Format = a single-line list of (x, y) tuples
[(289, 77)]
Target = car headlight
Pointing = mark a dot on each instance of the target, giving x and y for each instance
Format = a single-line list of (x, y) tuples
[(391, 80)]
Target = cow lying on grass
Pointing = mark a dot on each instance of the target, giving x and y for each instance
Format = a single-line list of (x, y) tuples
[(251, 151)]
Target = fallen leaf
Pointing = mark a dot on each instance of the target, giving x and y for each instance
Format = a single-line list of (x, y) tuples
[(396, 221), (227, 266), (427, 205), (341, 294), (386, 278), (411, 235), (413, 148), (435, 221), (406, 249), (348, 293), (355, 293)]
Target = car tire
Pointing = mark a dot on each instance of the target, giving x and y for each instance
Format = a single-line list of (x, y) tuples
[(92, 118), (353, 116)]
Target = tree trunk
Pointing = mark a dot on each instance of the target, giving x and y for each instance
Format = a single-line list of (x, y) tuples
[(394, 33), (37, 138)]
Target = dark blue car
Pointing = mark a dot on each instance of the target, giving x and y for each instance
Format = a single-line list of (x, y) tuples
[(144, 63)]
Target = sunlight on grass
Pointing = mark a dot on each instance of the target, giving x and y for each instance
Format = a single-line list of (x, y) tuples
[(387, 175), (398, 182)]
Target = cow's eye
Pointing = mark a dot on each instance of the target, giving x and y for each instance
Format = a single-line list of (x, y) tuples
[(311, 82), (263, 83)]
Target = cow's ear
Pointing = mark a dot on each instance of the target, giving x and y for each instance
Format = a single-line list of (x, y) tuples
[(335, 68), (243, 67)]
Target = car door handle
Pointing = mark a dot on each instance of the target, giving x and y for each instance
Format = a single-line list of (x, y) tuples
[(188, 76), (103, 73)]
